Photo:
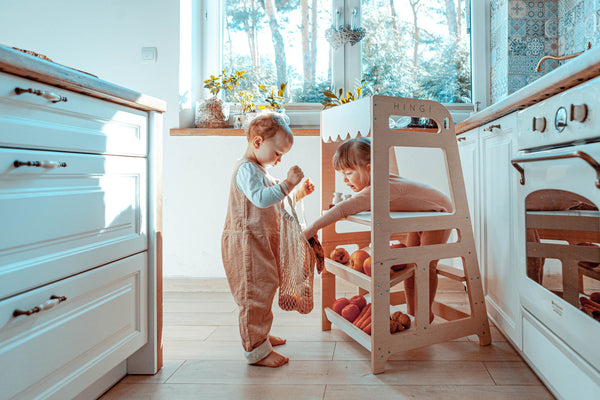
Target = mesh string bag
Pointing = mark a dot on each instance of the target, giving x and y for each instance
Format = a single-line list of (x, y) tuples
[(297, 265)]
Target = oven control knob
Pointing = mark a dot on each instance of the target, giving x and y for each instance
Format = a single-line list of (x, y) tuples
[(579, 112), (539, 124), (560, 119)]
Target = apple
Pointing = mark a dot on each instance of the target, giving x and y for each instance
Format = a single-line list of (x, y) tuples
[(340, 255), (357, 260)]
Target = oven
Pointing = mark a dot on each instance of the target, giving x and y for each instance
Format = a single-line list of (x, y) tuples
[(557, 177)]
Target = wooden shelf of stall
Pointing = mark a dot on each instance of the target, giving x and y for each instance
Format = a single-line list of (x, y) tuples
[(298, 131)]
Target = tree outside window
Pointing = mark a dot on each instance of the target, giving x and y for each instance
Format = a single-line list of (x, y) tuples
[(412, 48)]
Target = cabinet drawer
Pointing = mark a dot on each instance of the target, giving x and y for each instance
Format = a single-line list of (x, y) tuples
[(81, 124), (58, 352), (61, 221)]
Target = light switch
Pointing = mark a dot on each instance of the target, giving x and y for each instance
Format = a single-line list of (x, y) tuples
[(149, 54)]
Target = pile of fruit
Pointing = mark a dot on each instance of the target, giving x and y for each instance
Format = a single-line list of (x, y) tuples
[(360, 260), (591, 306), (357, 311)]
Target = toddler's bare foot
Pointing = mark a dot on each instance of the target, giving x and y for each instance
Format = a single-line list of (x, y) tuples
[(276, 341), (273, 360)]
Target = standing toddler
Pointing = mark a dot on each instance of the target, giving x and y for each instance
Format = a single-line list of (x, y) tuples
[(250, 241)]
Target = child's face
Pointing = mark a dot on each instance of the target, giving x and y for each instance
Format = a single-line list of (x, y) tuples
[(269, 152), (357, 179)]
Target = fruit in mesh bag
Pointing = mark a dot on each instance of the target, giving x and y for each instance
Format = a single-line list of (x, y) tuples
[(357, 260), (340, 255), (305, 304), (359, 300), (350, 312), (339, 304), (287, 302), (398, 267)]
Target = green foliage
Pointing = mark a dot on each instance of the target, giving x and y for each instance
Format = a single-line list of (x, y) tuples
[(447, 78), (331, 99), (274, 100), (224, 81)]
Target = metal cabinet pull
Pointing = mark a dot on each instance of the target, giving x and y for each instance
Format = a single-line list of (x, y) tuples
[(40, 164), (492, 127), (54, 300), (576, 154), (53, 97)]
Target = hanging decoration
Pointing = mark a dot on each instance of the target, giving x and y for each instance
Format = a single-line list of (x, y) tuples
[(338, 35)]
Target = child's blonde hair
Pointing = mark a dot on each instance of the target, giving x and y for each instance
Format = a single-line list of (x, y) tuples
[(353, 153), (266, 125)]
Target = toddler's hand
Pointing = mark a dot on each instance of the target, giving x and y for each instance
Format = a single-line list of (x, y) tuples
[(307, 188), (294, 176)]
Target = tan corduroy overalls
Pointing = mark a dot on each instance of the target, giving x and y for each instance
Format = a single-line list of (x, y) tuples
[(250, 251)]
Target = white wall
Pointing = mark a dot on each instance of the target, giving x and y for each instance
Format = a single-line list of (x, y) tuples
[(105, 38)]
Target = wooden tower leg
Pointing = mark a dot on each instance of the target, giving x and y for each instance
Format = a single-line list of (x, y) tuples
[(327, 297)]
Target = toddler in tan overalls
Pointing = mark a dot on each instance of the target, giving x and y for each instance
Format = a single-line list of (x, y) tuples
[(250, 241)]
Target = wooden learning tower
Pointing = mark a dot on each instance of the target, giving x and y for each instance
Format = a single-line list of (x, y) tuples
[(371, 115)]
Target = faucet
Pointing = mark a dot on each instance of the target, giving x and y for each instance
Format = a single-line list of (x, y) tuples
[(566, 57)]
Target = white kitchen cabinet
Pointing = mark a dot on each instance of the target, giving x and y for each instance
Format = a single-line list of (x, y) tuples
[(497, 224), (468, 146), (80, 260)]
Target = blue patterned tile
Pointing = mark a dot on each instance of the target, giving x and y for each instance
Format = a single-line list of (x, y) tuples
[(535, 46), (579, 36), (535, 9), (522, 64), (551, 9), (517, 28), (535, 27), (517, 9), (590, 26), (551, 46), (517, 47), (551, 28)]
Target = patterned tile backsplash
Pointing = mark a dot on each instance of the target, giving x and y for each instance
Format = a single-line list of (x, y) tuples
[(523, 31)]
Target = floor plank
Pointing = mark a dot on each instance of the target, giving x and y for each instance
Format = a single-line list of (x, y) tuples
[(204, 357)]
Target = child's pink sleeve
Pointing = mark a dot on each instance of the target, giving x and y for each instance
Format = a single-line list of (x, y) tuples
[(358, 203)]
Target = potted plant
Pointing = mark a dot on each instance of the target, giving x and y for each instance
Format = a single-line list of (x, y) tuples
[(248, 108), (214, 113), (331, 99), (275, 100)]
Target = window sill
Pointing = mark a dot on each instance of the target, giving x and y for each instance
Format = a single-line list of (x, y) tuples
[(298, 131)]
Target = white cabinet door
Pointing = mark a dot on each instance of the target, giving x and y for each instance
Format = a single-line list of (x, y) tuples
[(55, 353), (498, 227), (469, 159), (61, 221)]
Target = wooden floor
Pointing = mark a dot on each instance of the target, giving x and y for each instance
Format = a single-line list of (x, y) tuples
[(204, 359)]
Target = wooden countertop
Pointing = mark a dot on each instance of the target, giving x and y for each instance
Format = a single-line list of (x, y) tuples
[(577, 70), (297, 130), (27, 66)]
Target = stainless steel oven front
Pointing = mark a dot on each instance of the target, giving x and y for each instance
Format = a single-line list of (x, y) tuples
[(557, 164)]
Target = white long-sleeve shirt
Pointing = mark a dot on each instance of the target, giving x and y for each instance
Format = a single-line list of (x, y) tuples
[(251, 179)]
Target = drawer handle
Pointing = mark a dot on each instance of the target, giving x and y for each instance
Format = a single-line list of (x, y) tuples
[(492, 127), (54, 300), (53, 97), (40, 164)]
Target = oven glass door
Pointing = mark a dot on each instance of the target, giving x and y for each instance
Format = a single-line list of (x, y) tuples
[(559, 196)]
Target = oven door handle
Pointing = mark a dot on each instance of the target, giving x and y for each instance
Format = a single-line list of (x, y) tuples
[(576, 154)]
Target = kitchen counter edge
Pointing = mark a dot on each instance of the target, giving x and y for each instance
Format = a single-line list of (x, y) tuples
[(578, 70), (27, 66)]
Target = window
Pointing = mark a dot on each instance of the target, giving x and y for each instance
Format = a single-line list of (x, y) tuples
[(410, 48)]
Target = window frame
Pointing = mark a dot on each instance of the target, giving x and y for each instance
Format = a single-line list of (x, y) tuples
[(205, 17)]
